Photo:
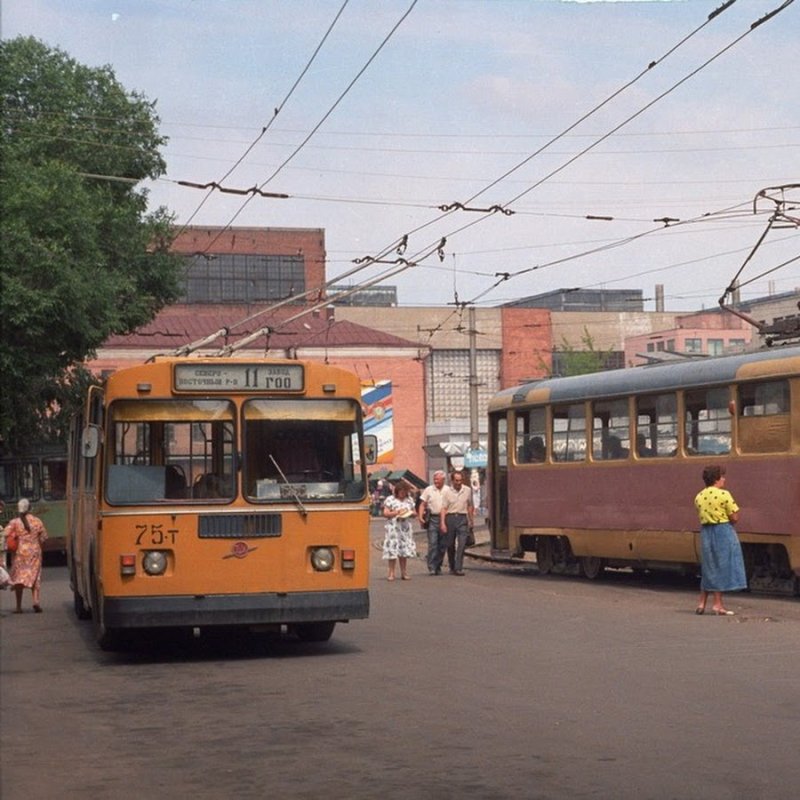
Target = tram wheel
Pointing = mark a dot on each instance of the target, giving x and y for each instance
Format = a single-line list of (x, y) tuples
[(545, 554), (592, 567)]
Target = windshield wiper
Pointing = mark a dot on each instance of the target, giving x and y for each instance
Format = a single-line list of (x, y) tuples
[(293, 491)]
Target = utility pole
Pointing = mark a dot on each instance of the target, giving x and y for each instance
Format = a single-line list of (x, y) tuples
[(474, 442)]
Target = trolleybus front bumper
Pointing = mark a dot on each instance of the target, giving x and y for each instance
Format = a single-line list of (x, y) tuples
[(234, 609)]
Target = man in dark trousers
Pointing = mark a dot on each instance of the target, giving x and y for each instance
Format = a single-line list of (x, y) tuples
[(456, 520)]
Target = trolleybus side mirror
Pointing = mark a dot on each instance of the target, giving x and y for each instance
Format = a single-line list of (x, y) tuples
[(90, 441), (370, 449)]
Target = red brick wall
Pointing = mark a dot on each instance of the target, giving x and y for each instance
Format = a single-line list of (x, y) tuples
[(527, 345)]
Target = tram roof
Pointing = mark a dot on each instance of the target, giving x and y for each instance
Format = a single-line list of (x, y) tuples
[(651, 378)]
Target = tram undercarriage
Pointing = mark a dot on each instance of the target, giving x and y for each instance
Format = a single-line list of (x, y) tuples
[(767, 565)]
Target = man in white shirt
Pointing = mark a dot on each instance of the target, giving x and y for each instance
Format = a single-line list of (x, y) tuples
[(430, 513), (456, 520)]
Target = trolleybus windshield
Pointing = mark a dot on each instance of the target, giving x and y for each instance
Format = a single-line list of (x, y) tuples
[(301, 448)]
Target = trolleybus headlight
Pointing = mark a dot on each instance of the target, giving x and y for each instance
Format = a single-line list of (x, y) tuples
[(155, 562), (322, 559)]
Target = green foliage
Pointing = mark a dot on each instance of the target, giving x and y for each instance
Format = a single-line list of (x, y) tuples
[(82, 259), (585, 360)]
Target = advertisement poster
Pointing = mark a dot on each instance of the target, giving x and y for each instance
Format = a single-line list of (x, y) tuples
[(376, 400)]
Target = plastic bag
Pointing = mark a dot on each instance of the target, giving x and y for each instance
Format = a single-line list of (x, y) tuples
[(5, 578)]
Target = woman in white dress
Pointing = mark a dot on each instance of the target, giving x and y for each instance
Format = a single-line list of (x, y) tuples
[(398, 544)]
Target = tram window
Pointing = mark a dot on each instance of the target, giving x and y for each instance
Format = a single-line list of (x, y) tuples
[(764, 424), (54, 478), (707, 421), (656, 426), (19, 479), (501, 439), (764, 399), (531, 436), (610, 430), (569, 433)]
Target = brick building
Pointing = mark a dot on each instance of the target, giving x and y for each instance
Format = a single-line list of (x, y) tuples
[(251, 265)]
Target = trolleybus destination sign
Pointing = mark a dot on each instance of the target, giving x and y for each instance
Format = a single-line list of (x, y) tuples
[(242, 377)]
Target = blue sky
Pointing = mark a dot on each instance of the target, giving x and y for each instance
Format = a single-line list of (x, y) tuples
[(462, 92)]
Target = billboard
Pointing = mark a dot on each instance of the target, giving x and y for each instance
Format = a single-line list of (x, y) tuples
[(376, 402)]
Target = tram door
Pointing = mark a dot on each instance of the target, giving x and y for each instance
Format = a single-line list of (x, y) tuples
[(498, 485)]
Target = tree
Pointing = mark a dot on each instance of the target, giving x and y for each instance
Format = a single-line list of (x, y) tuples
[(81, 257), (585, 360)]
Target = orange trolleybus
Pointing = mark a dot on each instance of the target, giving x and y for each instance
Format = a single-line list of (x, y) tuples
[(601, 470), (219, 493)]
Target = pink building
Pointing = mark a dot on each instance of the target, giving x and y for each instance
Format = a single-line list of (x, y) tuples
[(709, 333)]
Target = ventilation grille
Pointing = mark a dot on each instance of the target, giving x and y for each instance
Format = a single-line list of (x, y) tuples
[(239, 526)]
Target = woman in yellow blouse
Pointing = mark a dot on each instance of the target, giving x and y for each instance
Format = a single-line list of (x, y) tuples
[(722, 568)]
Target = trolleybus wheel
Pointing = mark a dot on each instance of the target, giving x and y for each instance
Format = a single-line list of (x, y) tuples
[(314, 631), (81, 611), (592, 567), (107, 640)]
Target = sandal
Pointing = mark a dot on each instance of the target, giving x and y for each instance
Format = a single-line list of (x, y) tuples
[(700, 610), (406, 577), (37, 609), (723, 612)]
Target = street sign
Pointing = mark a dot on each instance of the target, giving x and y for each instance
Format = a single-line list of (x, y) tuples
[(476, 458)]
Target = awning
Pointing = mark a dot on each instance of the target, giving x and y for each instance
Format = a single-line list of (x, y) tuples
[(459, 448), (408, 476)]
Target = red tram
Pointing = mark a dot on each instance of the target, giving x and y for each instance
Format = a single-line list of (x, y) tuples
[(601, 470)]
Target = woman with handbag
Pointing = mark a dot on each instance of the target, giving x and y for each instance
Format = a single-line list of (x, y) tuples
[(25, 535), (398, 544)]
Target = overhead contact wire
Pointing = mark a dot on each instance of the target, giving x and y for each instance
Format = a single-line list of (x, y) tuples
[(268, 125), (327, 114)]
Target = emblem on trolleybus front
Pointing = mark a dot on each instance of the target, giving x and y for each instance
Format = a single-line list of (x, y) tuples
[(239, 550)]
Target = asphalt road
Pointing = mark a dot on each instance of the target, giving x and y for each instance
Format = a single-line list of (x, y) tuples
[(500, 684)]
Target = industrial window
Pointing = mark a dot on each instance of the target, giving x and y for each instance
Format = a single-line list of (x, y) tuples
[(693, 345), (229, 278), (447, 383)]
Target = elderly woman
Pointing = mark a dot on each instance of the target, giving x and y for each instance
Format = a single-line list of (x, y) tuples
[(398, 544), (26, 566)]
